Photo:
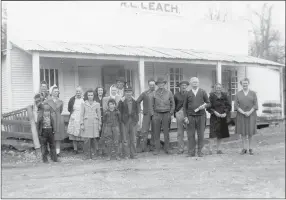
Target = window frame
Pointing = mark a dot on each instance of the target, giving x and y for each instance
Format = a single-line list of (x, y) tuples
[(175, 72)]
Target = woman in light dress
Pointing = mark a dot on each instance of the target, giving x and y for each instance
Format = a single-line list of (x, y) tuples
[(90, 122), (74, 107)]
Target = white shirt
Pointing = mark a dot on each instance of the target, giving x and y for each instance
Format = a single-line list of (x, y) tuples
[(195, 91)]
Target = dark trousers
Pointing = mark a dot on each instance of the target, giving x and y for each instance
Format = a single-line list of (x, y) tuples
[(196, 123), (47, 138), (129, 130), (147, 121), (161, 120), (111, 136)]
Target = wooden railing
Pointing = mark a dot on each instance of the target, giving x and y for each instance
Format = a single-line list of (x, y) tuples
[(16, 124)]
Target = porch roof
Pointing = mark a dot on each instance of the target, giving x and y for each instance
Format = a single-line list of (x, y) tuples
[(138, 51)]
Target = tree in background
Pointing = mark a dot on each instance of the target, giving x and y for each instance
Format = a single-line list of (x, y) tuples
[(4, 28), (267, 42), (216, 14)]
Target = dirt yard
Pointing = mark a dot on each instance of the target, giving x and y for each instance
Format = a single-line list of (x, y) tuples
[(230, 175)]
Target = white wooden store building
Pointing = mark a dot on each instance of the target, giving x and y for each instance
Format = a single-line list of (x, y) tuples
[(171, 49)]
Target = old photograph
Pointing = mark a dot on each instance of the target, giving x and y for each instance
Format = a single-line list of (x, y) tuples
[(142, 99)]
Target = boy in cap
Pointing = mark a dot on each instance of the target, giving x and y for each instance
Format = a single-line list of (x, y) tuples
[(179, 98), (129, 119)]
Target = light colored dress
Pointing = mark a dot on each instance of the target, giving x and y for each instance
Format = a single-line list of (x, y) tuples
[(246, 125), (74, 129), (91, 119)]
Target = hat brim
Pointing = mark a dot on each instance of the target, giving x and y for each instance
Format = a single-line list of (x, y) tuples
[(157, 82)]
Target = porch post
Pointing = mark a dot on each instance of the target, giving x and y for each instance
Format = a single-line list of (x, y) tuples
[(218, 72), (282, 90), (36, 72), (141, 71)]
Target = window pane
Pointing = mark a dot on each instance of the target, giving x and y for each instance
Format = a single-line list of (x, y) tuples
[(171, 70), (47, 77), (181, 70), (171, 77), (52, 71), (176, 90), (177, 77), (181, 77), (41, 74), (233, 91), (57, 78), (177, 70)]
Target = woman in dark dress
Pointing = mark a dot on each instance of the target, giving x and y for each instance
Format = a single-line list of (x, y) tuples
[(219, 110), (246, 105), (99, 94)]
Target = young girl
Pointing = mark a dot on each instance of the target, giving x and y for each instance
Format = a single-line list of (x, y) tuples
[(46, 131), (111, 131), (90, 121)]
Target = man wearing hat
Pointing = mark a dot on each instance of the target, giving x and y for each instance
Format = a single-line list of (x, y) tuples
[(179, 98), (162, 109), (129, 119)]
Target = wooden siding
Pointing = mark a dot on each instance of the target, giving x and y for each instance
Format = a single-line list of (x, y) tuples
[(68, 86), (4, 86), (22, 79)]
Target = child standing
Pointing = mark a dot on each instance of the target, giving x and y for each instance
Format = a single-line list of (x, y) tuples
[(46, 128), (90, 122), (111, 131)]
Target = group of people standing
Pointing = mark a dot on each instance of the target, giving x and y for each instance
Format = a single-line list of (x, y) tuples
[(109, 124)]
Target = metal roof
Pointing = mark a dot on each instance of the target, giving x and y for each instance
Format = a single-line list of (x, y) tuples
[(151, 52)]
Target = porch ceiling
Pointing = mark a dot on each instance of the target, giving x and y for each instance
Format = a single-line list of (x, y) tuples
[(139, 51)]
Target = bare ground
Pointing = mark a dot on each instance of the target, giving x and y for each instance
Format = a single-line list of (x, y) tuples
[(165, 176)]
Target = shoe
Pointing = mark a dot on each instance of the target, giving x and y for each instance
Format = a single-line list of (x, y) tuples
[(75, 151), (58, 155), (133, 157), (219, 152), (155, 153), (200, 154), (118, 158), (108, 158), (191, 155), (243, 151), (250, 151), (210, 153), (45, 161)]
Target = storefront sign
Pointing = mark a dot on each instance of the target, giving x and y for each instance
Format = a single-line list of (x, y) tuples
[(158, 7)]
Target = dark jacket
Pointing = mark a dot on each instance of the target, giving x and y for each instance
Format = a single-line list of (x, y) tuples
[(40, 123), (111, 118), (70, 105), (123, 109), (146, 102), (192, 102), (162, 102), (220, 105), (179, 100)]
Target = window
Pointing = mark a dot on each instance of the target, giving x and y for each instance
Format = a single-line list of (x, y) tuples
[(234, 84), (51, 76), (176, 75), (129, 77)]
